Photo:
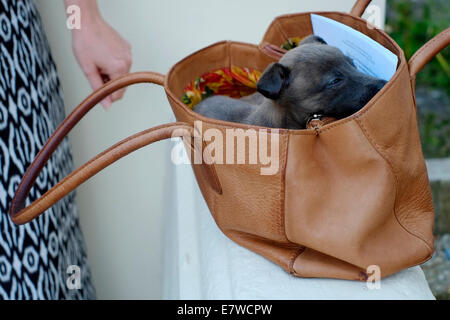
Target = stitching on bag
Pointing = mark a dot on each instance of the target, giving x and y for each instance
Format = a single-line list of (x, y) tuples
[(229, 53), (281, 29), (377, 149), (283, 191)]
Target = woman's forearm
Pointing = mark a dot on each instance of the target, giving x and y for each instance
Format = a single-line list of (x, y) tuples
[(100, 50)]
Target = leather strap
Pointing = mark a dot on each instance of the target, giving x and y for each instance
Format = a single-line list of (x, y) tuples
[(273, 51), (19, 214), (427, 52), (359, 7)]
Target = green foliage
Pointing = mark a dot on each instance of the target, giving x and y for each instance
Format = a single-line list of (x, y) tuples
[(207, 93), (411, 23), (435, 134)]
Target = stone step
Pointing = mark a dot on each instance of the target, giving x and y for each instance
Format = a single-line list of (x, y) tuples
[(439, 175), (437, 269)]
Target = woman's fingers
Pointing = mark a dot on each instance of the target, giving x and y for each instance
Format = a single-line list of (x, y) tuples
[(96, 80)]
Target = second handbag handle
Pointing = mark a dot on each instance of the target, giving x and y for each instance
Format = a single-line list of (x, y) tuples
[(21, 214), (428, 51), (359, 7)]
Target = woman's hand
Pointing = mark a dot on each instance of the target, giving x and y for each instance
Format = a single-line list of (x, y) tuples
[(102, 53)]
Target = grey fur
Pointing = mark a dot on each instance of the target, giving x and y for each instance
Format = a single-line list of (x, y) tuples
[(313, 78)]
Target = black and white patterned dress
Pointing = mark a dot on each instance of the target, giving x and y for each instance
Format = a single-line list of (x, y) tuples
[(34, 258)]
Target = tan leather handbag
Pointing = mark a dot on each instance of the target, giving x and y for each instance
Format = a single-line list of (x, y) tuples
[(348, 194)]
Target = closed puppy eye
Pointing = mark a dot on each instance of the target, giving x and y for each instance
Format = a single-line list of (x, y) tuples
[(334, 82)]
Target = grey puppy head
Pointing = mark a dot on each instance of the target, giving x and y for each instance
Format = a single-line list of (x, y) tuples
[(315, 78)]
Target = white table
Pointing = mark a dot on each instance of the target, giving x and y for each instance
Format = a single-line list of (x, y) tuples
[(202, 263)]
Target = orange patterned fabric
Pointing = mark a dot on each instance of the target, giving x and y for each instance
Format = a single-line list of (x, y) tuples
[(234, 82)]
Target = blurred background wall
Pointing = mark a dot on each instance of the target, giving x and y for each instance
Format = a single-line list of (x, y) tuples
[(121, 209)]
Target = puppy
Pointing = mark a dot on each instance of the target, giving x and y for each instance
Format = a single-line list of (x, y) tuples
[(311, 79)]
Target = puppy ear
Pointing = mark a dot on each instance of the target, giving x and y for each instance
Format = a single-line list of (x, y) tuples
[(273, 80), (312, 39)]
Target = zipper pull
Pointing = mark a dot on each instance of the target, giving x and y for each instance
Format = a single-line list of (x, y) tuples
[(317, 121)]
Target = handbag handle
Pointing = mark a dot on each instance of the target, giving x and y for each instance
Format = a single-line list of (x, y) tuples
[(273, 51), (20, 214), (359, 7), (427, 52)]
